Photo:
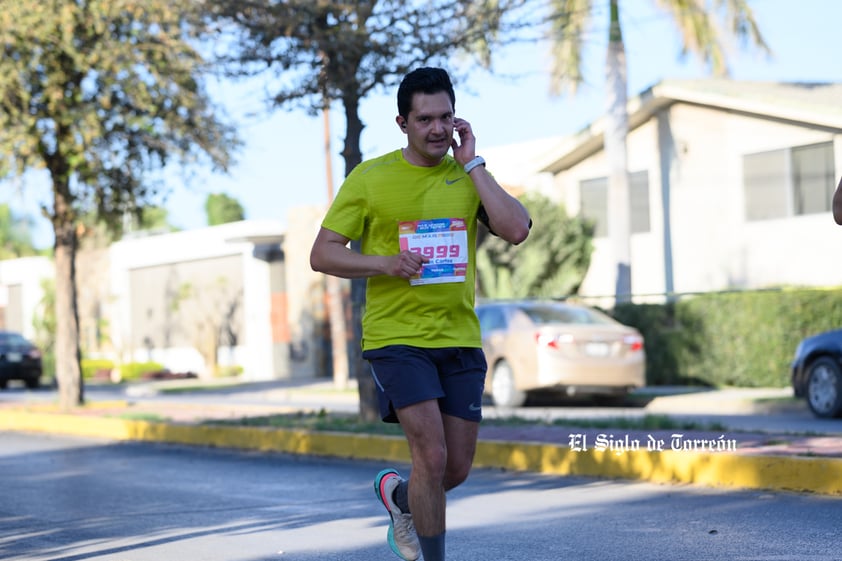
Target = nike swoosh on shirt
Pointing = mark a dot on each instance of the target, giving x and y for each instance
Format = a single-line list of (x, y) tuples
[(452, 181)]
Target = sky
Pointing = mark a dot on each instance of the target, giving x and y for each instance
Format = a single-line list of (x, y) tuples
[(281, 166)]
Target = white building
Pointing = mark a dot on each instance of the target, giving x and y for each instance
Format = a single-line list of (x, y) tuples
[(242, 293), (21, 292), (731, 184)]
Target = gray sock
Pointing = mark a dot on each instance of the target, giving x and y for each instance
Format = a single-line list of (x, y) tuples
[(432, 547), (401, 496)]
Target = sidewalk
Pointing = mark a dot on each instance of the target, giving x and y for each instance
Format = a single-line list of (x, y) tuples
[(759, 460)]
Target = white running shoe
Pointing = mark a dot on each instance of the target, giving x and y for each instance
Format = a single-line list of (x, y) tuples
[(401, 535)]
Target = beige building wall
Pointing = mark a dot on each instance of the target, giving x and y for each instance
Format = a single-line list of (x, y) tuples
[(308, 318), (713, 247)]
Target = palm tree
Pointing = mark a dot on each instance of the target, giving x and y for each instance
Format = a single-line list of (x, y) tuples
[(697, 20)]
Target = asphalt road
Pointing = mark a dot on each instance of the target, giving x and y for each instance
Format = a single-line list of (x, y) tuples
[(73, 499)]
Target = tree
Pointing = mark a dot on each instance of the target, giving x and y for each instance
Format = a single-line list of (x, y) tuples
[(221, 209), (702, 36), (15, 235), (94, 233), (100, 93), (155, 218), (324, 50), (551, 263), (333, 285)]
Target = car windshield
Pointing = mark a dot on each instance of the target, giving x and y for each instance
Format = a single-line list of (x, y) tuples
[(544, 314), (7, 339)]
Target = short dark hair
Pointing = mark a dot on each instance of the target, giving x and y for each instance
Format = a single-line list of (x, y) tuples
[(423, 80)]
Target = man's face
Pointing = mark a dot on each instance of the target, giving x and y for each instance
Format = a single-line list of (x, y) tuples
[(429, 128)]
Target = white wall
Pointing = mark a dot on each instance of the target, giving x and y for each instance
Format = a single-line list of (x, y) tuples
[(713, 247), (28, 273), (254, 354)]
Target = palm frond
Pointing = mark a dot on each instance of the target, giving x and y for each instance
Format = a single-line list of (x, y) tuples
[(569, 21), (702, 35)]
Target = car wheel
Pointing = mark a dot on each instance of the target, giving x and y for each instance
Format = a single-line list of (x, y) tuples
[(3, 384), (33, 383), (824, 387), (503, 389)]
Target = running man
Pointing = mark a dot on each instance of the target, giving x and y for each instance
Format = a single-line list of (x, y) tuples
[(415, 211)]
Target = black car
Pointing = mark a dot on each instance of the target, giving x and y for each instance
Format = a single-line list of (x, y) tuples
[(19, 360), (817, 373)]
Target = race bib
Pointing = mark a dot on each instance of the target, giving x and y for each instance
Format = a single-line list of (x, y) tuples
[(444, 241)]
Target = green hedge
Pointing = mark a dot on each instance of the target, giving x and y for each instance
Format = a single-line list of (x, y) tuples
[(96, 368), (743, 339), (135, 370)]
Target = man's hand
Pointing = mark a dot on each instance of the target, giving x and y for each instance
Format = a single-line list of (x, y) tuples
[(464, 150), (406, 264)]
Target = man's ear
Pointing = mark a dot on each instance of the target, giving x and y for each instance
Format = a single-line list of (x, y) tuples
[(401, 122)]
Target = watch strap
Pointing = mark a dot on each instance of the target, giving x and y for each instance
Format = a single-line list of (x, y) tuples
[(477, 161)]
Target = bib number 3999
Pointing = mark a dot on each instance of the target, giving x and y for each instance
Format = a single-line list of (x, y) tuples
[(452, 251), (444, 241)]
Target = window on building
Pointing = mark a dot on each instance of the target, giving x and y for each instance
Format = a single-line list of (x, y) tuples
[(594, 202), (593, 194), (789, 182), (639, 185)]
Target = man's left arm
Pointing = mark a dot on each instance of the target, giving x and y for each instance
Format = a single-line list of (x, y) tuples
[(836, 204), (507, 218)]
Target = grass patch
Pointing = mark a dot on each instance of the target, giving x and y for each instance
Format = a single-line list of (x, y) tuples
[(142, 416), (648, 422), (217, 387), (321, 421), (786, 400), (175, 390), (338, 422)]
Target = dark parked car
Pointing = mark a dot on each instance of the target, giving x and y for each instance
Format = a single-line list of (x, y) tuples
[(19, 360), (817, 373)]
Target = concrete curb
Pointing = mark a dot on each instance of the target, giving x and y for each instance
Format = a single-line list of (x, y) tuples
[(716, 469)]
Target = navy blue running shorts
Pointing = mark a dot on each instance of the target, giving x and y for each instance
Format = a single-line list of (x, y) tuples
[(405, 375)]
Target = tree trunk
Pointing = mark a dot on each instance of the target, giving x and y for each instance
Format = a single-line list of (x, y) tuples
[(68, 356), (616, 131), (369, 410)]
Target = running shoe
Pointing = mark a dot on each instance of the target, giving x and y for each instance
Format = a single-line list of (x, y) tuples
[(401, 535)]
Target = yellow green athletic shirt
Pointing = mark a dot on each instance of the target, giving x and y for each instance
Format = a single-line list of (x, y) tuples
[(375, 198)]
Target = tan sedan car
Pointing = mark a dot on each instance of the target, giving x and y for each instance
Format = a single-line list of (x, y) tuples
[(533, 345)]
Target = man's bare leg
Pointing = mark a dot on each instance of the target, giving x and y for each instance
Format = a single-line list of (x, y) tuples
[(442, 448), (424, 429)]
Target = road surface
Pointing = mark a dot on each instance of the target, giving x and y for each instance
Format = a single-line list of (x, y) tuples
[(74, 499)]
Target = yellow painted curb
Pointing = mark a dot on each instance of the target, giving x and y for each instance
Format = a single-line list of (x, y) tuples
[(783, 473), (338, 444)]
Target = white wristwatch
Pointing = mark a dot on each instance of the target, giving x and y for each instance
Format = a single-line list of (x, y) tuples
[(477, 161)]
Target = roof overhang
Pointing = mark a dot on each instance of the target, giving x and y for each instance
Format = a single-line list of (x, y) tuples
[(753, 98), (258, 239)]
